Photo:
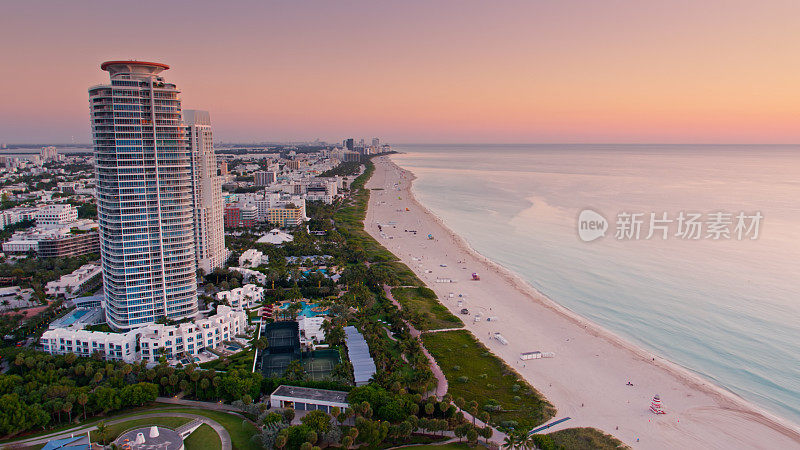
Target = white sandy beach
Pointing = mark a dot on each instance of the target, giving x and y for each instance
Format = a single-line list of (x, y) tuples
[(586, 381)]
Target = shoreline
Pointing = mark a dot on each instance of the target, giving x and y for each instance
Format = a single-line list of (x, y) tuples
[(741, 415)]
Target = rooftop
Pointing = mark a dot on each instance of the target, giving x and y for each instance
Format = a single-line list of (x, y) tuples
[(311, 394)]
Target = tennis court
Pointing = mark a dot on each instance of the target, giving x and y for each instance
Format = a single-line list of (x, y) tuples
[(319, 364), (275, 365)]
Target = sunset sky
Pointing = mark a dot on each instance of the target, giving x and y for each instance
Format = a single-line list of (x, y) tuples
[(420, 71)]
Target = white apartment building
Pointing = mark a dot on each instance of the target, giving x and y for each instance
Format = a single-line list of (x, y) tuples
[(209, 214), (252, 258), (191, 338), (73, 283), (112, 346), (311, 329), (60, 214), (246, 296), (175, 340), (143, 166)]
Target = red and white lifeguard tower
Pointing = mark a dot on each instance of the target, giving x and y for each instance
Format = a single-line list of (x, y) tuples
[(655, 405)]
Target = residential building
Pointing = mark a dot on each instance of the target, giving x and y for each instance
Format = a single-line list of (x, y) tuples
[(48, 154), (265, 178), (246, 296), (209, 214), (74, 283), (233, 215), (144, 196), (58, 214), (152, 340), (70, 245), (252, 258), (193, 337)]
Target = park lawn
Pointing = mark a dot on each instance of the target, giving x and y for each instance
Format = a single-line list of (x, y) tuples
[(203, 438), (114, 430), (240, 429), (475, 374), (429, 314), (585, 439)]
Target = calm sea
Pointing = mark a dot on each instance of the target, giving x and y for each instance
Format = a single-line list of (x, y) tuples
[(727, 309)]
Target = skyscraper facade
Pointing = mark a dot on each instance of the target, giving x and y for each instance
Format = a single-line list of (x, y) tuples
[(209, 214), (144, 196)]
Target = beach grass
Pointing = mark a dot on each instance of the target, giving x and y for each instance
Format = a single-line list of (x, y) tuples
[(114, 430), (349, 220), (474, 373), (584, 439), (203, 438), (404, 275), (426, 311)]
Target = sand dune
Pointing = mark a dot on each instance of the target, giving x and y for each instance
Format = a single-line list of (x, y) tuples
[(587, 379)]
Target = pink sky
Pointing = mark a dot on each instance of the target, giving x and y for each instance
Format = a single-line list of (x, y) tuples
[(421, 71)]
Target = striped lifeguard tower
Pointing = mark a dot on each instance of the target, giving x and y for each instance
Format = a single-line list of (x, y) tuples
[(655, 405)]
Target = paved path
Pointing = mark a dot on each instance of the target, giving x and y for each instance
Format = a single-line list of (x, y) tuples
[(441, 380), (199, 404), (224, 437)]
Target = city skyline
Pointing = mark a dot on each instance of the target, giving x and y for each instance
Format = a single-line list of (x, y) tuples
[(470, 72)]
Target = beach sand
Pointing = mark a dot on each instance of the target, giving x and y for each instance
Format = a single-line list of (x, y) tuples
[(587, 379)]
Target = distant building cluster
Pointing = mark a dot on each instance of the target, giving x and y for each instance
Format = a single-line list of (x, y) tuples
[(58, 232), (163, 197)]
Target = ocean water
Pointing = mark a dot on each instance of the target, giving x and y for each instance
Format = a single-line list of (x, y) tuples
[(728, 309)]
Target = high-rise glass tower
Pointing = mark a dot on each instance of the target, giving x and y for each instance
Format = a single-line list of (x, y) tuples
[(209, 214), (144, 196)]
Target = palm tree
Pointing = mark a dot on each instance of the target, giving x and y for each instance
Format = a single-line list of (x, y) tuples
[(510, 442), (101, 432), (82, 399)]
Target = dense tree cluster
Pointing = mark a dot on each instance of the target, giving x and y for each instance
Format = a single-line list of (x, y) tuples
[(54, 389)]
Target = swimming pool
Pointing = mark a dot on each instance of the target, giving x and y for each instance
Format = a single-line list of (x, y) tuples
[(306, 309), (73, 317)]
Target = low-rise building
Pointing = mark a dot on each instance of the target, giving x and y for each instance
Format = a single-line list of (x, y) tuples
[(246, 296), (191, 338), (59, 214), (311, 330), (153, 340), (74, 282), (275, 237), (308, 399), (252, 258)]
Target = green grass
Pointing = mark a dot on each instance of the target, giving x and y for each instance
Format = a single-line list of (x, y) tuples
[(585, 439), (203, 438), (240, 361), (114, 430), (427, 312), (475, 374), (240, 430)]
